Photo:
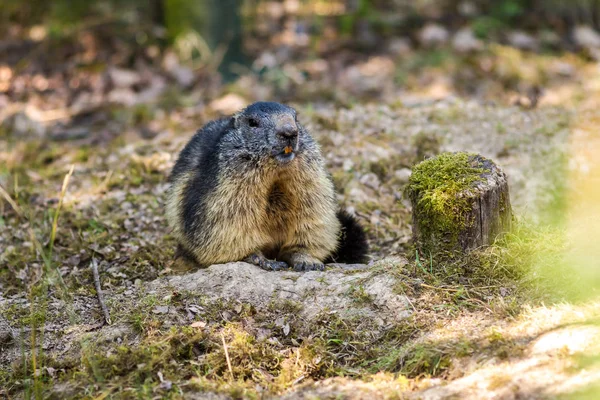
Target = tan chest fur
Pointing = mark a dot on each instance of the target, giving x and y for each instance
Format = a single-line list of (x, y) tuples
[(269, 211)]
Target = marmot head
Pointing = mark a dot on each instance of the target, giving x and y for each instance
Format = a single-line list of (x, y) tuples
[(269, 130)]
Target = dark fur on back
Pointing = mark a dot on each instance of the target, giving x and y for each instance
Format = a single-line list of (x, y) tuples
[(353, 246), (199, 154), (195, 155)]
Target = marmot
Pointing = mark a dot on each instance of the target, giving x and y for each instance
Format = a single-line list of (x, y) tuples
[(253, 187)]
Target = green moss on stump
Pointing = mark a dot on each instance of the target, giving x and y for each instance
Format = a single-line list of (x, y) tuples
[(444, 191)]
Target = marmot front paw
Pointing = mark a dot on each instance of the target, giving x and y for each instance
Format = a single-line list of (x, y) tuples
[(309, 266), (266, 264), (304, 262)]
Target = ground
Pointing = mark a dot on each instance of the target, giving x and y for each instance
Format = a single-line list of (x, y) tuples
[(516, 320)]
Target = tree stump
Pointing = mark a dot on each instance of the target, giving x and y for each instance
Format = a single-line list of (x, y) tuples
[(460, 202)]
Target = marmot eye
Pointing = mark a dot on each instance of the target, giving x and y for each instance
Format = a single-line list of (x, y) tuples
[(253, 123)]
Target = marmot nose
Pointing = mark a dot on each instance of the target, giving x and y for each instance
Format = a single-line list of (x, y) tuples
[(287, 131)]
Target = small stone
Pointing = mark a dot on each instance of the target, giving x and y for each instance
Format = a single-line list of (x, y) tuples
[(266, 60), (195, 309), (280, 321), (25, 123), (370, 76), (165, 385), (358, 195), (464, 41), (184, 76), (370, 180), (347, 165), (160, 309), (124, 96), (564, 69), (123, 78), (523, 41), (399, 46), (403, 174), (586, 37), (433, 35), (155, 88), (467, 8)]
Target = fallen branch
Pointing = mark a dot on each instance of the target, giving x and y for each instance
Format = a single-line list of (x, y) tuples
[(94, 265)]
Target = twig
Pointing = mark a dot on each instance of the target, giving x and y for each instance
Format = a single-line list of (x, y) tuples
[(227, 356), (94, 265)]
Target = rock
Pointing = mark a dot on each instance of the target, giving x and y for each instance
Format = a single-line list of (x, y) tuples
[(399, 46), (358, 195), (183, 75), (402, 174), (370, 180), (433, 35), (464, 41), (523, 41), (347, 165), (123, 78), (155, 88), (315, 68), (586, 37), (266, 60), (160, 309), (333, 288), (371, 76), (467, 8), (123, 96), (25, 123), (564, 69)]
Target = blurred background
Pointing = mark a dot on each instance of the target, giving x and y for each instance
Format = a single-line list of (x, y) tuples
[(71, 56)]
